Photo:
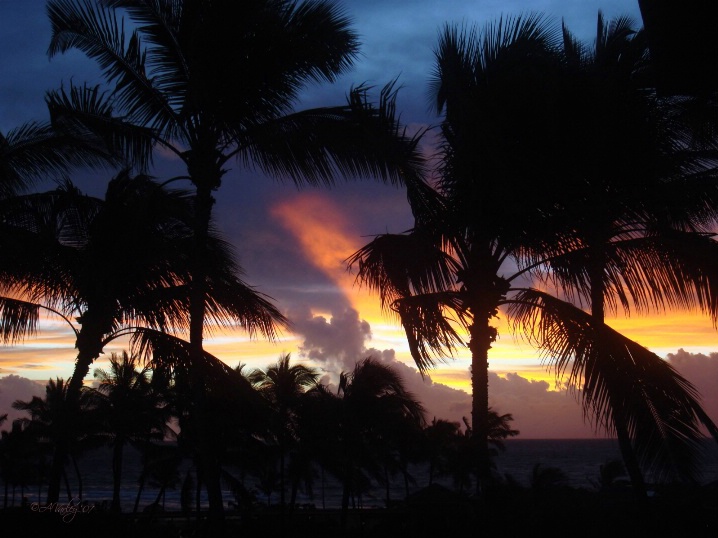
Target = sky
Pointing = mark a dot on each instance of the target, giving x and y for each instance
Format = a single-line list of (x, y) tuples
[(292, 243)]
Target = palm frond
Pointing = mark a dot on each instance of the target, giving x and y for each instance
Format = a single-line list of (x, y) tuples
[(573, 49), (307, 42), (231, 301), (620, 382), (466, 56), (96, 31), (87, 114), (165, 351), (650, 271), (35, 151), (359, 141), (430, 329), (18, 319), (163, 25), (397, 266)]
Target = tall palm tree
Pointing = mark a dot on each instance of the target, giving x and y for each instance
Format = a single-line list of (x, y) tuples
[(496, 218), (117, 266), (366, 413), (129, 409), (172, 90), (642, 209)]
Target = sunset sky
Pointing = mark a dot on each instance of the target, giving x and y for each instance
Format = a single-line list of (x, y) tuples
[(292, 244)]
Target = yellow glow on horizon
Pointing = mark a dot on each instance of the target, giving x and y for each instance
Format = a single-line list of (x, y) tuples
[(667, 332)]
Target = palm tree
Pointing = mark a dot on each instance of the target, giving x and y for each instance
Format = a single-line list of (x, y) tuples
[(20, 458), (495, 218), (448, 450), (283, 386), (438, 439), (171, 90), (61, 252), (367, 412), (130, 410), (65, 426), (452, 258), (643, 214)]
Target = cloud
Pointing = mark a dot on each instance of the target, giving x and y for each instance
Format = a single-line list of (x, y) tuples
[(702, 371), (339, 341), (538, 412), (14, 387)]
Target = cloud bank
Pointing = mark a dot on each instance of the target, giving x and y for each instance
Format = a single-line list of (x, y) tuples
[(336, 343)]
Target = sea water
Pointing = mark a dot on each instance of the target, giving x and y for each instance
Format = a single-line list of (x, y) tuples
[(579, 460)]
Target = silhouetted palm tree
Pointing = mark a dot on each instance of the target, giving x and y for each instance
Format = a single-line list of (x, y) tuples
[(452, 259), (438, 439), (67, 427), (171, 90), (129, 410), (495, 218), (60, 255), (352, 426), (544, 479), (283, 386), (640, 215), (20, 459), (449, 450)]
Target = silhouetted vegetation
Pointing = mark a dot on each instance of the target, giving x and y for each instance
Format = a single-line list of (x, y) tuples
[(566, 188), (540, 207)]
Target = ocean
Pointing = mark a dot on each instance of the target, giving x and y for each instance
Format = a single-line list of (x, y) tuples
[(578, 459)]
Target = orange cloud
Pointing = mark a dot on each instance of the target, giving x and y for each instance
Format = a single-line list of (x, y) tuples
[(328, 238)]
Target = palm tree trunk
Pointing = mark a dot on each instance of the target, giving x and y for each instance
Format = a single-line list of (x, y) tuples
[(324, 490), (345, 503), (116, 475), (139, 492), (78, 474), (67, 485), (211, 468), (89, 345), (482, 336), (198, 493), (281, 474), (57, 470), (346, 490)]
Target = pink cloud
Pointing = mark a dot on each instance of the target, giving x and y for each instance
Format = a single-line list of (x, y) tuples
[(702, 371), (13, 387), (339, 341)]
